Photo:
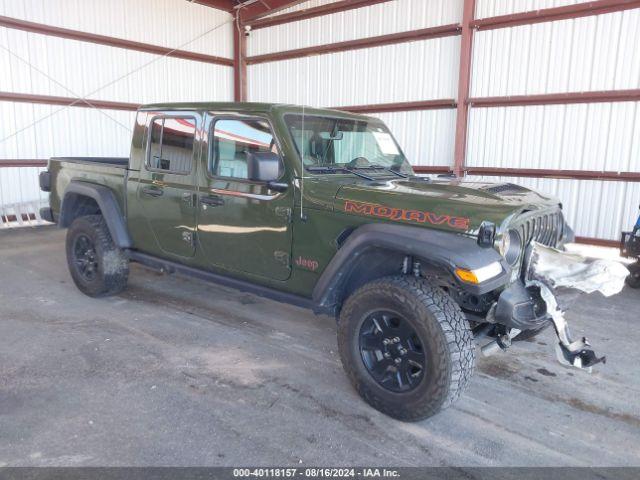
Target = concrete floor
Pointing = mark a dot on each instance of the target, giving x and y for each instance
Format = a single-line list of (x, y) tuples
[(179, 372)]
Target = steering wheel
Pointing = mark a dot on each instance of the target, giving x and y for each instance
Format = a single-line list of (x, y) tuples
[(359, 162)]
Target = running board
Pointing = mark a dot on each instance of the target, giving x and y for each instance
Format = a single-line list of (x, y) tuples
[(167, 266)]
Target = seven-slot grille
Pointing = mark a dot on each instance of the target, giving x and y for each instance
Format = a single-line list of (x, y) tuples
[(546, 228)]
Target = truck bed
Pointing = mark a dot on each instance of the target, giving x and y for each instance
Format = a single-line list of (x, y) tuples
[(119, 162), (110, 172)]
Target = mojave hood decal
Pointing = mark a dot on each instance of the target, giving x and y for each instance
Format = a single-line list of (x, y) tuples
[(418, 216)]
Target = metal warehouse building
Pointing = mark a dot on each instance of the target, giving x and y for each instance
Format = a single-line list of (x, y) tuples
[(249, 271), (544, 93)]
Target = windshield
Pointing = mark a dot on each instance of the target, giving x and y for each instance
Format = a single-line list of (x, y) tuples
[(342, 143)]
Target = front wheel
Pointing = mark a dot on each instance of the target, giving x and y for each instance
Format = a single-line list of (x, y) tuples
[(633, 280), (98, 267), (406, 347)]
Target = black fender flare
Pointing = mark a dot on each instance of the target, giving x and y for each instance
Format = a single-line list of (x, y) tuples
[(443, 249), (108, 204)]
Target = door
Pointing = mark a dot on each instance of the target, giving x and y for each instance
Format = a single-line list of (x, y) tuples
[(166, 190), (243, 225)]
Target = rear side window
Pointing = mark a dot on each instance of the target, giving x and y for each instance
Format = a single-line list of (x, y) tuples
[(171, 144), (233, 139)]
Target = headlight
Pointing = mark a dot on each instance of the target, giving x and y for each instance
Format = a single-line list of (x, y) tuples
[(479, 275), (510, 246)]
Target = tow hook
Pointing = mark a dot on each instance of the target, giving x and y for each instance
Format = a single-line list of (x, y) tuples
[(569, 352), (502, 342)]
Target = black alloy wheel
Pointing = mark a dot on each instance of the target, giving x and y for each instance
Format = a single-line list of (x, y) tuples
[(392, 351), (85, 257), (97, 266)]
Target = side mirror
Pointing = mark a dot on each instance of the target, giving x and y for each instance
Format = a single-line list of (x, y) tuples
[(263, 166)]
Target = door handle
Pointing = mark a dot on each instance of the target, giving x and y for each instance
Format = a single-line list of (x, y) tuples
[(212, 200), (152, 192)]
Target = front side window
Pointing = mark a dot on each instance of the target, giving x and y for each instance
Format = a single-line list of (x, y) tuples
[(171, 144), (233, 139), (345, 143)]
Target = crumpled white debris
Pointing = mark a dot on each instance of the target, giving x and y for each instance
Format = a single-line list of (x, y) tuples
[(571, 270)]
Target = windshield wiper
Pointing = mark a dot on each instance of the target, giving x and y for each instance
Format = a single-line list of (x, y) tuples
[(382, 167), (330, 169)]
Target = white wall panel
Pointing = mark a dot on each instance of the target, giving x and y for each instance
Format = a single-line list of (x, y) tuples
[(20, 195), (394, 73), (34, 131), (380, 19), (42, 131), (594, 209), (590, 53), (494, 8), (426, 137), (170, 23), (598, 136), (85, 68)]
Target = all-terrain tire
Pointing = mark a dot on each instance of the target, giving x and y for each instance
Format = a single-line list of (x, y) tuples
[(442, 329), (633, 280), (109, 269)]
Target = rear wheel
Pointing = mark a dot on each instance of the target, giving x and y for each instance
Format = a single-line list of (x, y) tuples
[(406, 347), (633, 280), (98, 267)]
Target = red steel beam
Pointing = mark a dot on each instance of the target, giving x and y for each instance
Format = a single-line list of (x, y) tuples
[(328, 9), (66, 101), (464, 82), (540, 173), (598, 242), (432, 169), (550, 173), (552, 14), (226, 5), (239, 64), (261, 8), (43, 29), (13, 218), (632, 95), (401, 107), (22, 163), (393, 38)]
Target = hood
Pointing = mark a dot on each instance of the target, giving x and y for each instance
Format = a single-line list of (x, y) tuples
[(455, 204)]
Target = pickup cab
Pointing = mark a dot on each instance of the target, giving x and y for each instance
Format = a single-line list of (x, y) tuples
[(321, 209)]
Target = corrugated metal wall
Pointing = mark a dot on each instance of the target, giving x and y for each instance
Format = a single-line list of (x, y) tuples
[(585, 54), (74, 69), (420, 70), (381, 19), (594, 209), (591, 53)]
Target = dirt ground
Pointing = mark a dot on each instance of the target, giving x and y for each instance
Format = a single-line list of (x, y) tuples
[(179, 372)]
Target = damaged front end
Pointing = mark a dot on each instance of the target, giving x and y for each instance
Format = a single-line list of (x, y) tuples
[(550, 281)]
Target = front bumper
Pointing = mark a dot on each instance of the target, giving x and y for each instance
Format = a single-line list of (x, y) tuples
[(549, 276)]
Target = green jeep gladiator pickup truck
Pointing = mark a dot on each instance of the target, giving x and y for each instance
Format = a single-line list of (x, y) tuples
[(320, 208)]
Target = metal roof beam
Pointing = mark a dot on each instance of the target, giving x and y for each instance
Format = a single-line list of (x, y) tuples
[(252, 10), (328, 9)]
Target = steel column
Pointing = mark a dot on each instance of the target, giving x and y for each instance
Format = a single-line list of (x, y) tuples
[(464, 82), (239, 62)]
